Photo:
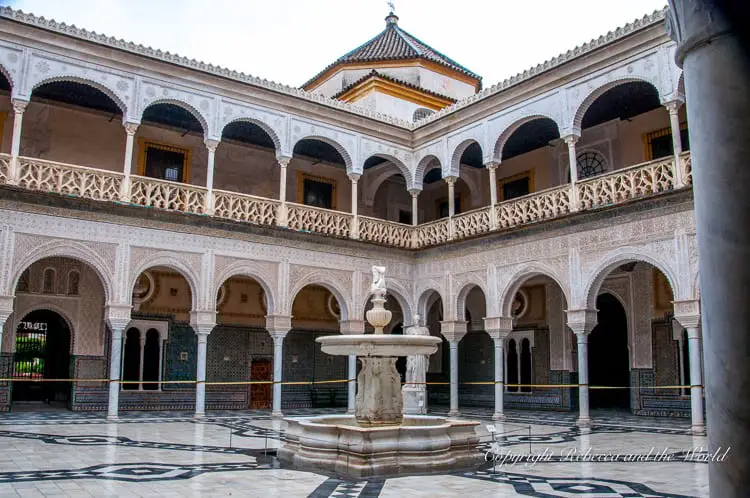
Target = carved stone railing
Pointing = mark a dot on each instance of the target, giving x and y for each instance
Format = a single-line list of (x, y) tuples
[(471, 223), (384, 232), (243, 207), (622, 185), (431, 233), (687, 168), (4, 168), (319, 220), (642, 180), (80, 181), (535, 207), (164, 194)]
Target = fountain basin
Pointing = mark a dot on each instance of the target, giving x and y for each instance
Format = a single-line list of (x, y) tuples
[(420, 444), (378, 345)]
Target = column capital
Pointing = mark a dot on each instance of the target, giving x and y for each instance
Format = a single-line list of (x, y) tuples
[(203, 321), (131, 128), (687, 313), (283, 161), (571, 139), (692, 23), (673, 106), (450, 180), (278, 325), (19, 105), (492, 165), (117, 316), (414, 192), (211, 144), (351, 327), (354, 177), (498, 327), (453, 331), (6, 307), (582, 321)]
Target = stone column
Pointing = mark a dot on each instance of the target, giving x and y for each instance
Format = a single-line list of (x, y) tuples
[(687, 313), (202, 331), (211, 147), (6, 309), (355, 201), (350, 327), (19, 106), (451, 181), (492, 167), (118, 317), (582, 322), (499, 328), (712, 50), (130, 130), (414, 206), (142, 344), (278, 326), (674, 122), (571, 141), (453, 331), (282, 220)]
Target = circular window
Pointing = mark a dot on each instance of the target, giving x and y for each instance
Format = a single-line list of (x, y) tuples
[(520, 305), (590, 164)]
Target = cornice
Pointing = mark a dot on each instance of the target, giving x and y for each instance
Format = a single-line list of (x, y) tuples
[(176, 59)]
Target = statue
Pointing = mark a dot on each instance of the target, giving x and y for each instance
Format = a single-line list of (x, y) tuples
[(378, 281), (415, 389)]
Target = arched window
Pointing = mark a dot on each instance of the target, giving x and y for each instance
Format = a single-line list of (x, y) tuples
[(131, 362), (23, 281), (421, 113), (73, 278), (48, 284), (525, 364), (151, 360), (511, 365), (685, 363), (590, 163)]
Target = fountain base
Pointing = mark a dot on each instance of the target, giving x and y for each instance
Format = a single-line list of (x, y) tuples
[(420, 444)]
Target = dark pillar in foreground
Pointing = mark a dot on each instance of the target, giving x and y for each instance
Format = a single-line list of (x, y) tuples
[(716, 67)]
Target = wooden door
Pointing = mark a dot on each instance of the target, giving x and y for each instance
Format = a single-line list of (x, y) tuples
[(260, 394)]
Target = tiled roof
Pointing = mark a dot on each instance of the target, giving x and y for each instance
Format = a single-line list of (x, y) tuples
[(393, 43), (376, 74)]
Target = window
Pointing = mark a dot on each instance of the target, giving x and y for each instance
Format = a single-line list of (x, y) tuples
[(421, 113), (519, 350), (73, 278), (316, 191), (590, 163), (511, 364), (131, 363), (516, 186), (142, 357), (48, 284), (659, 142), (443, 207), (164, 162), (404, 217)]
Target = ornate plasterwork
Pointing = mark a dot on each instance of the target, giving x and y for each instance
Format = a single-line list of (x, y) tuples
[(502, 125), (273, 123), (338, 282), (343, 141), (263, 272), (401, 157), (510, 279), (11, 63), (458, 142), (200, 105), (143, 258), (463, 284)]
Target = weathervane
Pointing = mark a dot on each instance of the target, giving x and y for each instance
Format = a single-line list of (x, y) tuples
[(391, 6)]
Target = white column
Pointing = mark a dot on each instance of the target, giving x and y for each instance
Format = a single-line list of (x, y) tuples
[(142, 344), (282, 217), (161, 363), (674, 122), (492, 168), (19, 106), (355, 201), (698, 425), (499, 378), (352, 385), (200, 375), (451, 181), (414, 206), (211, 147), (571, 140), (278, 359), (130, 130), (454, 378), (115, 357), (584, 419)]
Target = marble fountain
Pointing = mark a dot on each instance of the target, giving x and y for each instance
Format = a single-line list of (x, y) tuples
[(379, 439)]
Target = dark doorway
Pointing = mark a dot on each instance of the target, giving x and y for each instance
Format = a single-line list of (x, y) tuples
[(42, 355), (608, 356)]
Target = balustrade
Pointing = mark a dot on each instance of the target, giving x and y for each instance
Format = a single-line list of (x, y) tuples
[(615, 187), (164, 194), (319, 220), (243, 207)]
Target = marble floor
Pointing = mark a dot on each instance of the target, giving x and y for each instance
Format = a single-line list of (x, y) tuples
[(169, 454)]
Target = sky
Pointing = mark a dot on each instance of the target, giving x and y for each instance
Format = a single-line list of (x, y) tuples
[(289, 41)]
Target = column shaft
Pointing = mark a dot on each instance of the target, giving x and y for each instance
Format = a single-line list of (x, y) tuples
[(414, 207), (571, 140), (454, 378), (352, 385), (355, 200), (278, 358), (696, 381), (115, 355), (142, 344), (499, 379), (19, 106), (583, 379), (211, 147), (200, 386), (130, 129), (282, 217), (674, 123)]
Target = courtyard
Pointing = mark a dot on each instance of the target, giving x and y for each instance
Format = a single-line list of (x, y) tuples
[(231, 453)]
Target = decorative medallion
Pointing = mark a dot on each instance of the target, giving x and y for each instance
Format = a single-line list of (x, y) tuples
[(333, 307), (520, 305), (144, 288)]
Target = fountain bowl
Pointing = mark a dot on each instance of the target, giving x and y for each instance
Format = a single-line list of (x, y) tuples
[(378, 345), (420, 444)]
